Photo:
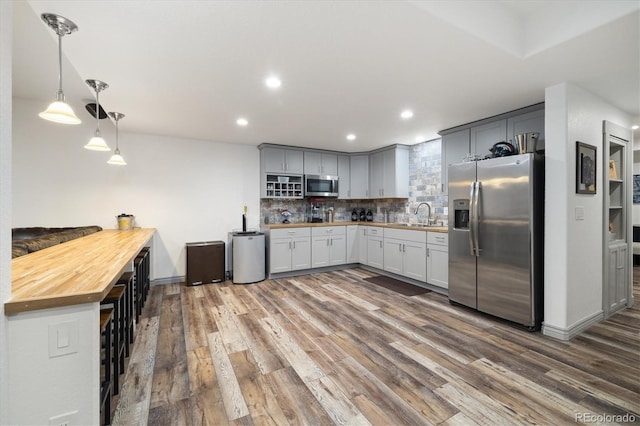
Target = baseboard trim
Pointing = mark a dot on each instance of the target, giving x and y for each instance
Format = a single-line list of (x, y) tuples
[(577, 328), (168, 280), (290, 274)]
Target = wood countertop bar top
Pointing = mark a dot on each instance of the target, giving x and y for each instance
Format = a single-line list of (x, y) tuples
[(79, 271), (441, 229)]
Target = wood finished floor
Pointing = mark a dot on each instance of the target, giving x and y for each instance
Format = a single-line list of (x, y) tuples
[(331, 348)]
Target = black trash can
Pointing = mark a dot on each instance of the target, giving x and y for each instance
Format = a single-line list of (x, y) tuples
[(205, 262)]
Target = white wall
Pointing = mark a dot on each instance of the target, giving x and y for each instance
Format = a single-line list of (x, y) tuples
[(6, 35), (573, 248), (189, 190)]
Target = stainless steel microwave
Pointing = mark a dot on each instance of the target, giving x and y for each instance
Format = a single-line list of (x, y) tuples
[(320, 186)]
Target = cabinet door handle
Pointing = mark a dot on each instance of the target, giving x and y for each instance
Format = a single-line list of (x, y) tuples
[(404, 248), (294, 245), (399, 247), (428, 252), (380, 243)]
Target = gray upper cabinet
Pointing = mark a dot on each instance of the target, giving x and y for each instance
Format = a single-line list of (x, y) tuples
[(483, 137), (478, 138), (281, 160), (389, 173), (317, 163), (344, 177), (359, 176), (455, 148), (527, 123), (376, 168)]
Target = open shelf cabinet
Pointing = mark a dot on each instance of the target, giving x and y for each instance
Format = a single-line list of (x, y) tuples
[(617, 218)]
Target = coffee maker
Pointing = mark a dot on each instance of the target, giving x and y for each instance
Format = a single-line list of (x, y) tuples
[(316, 210)]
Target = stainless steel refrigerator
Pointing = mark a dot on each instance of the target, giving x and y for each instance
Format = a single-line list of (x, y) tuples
[(496, 257)]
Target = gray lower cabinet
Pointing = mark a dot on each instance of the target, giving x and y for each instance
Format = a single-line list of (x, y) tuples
[(375, 247), (328, 246), (419, 255), (405, 253), (289, 250), (362, 245), (438, 259), (616, 288), (352, 243)]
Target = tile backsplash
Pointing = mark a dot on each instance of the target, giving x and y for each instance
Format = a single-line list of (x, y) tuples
[(425, 162)]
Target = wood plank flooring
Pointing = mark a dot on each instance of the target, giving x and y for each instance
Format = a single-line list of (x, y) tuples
[(331, 348)]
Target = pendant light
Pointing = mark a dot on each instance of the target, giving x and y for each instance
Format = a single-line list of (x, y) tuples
[(59, 111), (116, 158), (96, 143)]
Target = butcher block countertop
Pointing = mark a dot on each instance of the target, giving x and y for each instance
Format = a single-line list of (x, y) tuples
[(79, 271), (442, 229)]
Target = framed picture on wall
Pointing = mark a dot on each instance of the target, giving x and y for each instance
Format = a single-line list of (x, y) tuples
[(586, 165), (636, 189)]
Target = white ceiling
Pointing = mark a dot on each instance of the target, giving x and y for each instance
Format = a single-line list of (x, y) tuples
[(191, 68)]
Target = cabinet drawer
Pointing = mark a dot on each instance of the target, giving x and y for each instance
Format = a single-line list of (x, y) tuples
[(375, 231), (439, 238), (291, 232), (327, 230)]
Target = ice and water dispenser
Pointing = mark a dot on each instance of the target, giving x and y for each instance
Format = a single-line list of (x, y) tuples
[(461, 214)]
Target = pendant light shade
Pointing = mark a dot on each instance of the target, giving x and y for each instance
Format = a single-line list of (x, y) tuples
[(59, 111), (116, 158), (96, 143)]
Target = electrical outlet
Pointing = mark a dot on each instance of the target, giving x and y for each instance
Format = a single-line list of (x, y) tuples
[(66, 419)]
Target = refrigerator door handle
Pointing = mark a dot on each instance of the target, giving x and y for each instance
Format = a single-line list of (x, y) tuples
[(476, 218), (472, 247)]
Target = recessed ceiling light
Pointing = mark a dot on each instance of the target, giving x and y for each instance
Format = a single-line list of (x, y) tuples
[(635, 127), (419, 138), (273, 82), (406, 114), (351, 137), (242, 121)]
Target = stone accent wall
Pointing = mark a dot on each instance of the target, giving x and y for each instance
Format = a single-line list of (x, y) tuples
[(425, 163)]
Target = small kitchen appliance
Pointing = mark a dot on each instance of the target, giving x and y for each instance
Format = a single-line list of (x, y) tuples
[(320, 186)]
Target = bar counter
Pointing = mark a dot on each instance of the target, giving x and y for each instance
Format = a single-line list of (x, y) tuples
[(79, 271)]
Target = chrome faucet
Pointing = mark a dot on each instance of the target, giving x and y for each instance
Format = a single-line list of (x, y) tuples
[(424, 204)]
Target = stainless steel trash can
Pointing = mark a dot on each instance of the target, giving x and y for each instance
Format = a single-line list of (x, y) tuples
[(248, 257)]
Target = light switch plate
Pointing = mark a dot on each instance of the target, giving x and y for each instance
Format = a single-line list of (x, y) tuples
[(579, 213), (63, 338)]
